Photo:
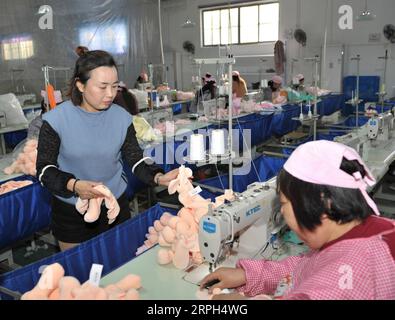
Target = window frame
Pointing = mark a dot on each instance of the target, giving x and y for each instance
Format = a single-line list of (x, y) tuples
[(22, 38), (237, 6)]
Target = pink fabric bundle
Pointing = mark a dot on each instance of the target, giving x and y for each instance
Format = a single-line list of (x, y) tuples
[(26, 161), (178, 235), (13, 185), (320, 92), (183, 122), (91, 208), (183, 96), (54, 285)]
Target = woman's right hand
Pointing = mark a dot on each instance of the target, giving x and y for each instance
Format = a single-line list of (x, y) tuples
[(85, 189), (228, 278)]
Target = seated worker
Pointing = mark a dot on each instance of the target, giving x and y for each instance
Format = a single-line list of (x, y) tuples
[(278, 95), (126, 99), (239, 86), (142, 78), (207, 92), (324, 201), (298, 82)]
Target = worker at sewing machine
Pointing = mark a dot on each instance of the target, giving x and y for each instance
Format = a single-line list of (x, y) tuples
[(207, 91), (278, 94), (298, 82), (324, 201), (239, 86), (142, 82)]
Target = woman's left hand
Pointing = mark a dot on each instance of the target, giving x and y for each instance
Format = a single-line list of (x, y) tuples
[(165, 179)]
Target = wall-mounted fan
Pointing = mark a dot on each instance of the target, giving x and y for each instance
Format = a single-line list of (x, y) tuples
[(389, 32), (189, 47), (300, 37)]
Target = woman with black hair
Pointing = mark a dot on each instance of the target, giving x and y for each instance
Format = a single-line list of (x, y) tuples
[(324, 201), (81, 145)]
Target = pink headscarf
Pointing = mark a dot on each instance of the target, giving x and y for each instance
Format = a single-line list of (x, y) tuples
[(236, 73), (277, 79), (319, 162), (208, 77)]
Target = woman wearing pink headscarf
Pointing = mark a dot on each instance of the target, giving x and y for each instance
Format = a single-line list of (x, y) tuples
[(324, 201)]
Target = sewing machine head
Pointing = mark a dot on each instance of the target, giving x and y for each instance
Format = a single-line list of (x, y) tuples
[(156, 116), (241, 227), (380, 128)]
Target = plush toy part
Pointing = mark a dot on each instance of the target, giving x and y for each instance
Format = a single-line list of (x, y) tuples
[(91, 208), (178, 235), (53, 285)]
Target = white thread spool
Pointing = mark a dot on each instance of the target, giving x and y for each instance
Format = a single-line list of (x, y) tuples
[(217, 146), (264, 83), (157, 101), (196, 147)]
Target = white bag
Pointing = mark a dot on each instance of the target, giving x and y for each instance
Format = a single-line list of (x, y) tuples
[(10, 105)]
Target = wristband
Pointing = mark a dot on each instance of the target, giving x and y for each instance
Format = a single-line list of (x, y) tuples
[(75, 182)]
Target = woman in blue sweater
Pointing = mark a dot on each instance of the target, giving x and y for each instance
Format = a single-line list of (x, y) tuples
[(82, 143)]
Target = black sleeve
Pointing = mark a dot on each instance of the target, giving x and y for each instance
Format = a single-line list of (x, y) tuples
[(48, 150), (132, 154)]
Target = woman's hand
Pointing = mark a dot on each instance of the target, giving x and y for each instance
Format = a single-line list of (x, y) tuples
[(228, 278), (84, 189), (164, 179)]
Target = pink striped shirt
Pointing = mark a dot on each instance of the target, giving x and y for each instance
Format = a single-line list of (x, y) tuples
[(360, 268)]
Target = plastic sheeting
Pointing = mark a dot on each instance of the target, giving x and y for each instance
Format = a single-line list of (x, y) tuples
[(126, 28), (77, 262)]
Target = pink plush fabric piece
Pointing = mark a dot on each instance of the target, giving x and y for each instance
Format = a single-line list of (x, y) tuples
[(53, 285), (183, 96), (91, 208), (13, 185), (26, 161), (183, 122)]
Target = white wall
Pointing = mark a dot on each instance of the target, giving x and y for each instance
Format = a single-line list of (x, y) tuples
[(313, 16)]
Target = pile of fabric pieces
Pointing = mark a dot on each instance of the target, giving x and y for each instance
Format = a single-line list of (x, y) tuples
[(184, 96), (54, 285), (320, 92), (170, 128), (13, 185), (251, 106), (144, 131), (26, 160), (178, 235)]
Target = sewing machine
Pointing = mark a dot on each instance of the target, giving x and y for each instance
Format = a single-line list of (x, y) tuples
[(156, 116), (375, 143), (242, 228)]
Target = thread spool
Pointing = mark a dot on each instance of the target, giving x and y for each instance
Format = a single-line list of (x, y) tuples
[(217, 146), (196, 147), (264, 83)]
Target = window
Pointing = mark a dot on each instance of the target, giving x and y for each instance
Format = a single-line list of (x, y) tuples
[(250, 23), (18, 48), (111, 38)]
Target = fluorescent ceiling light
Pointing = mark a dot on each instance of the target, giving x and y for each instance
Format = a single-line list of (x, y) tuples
[(188, 24), (366, 15)]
